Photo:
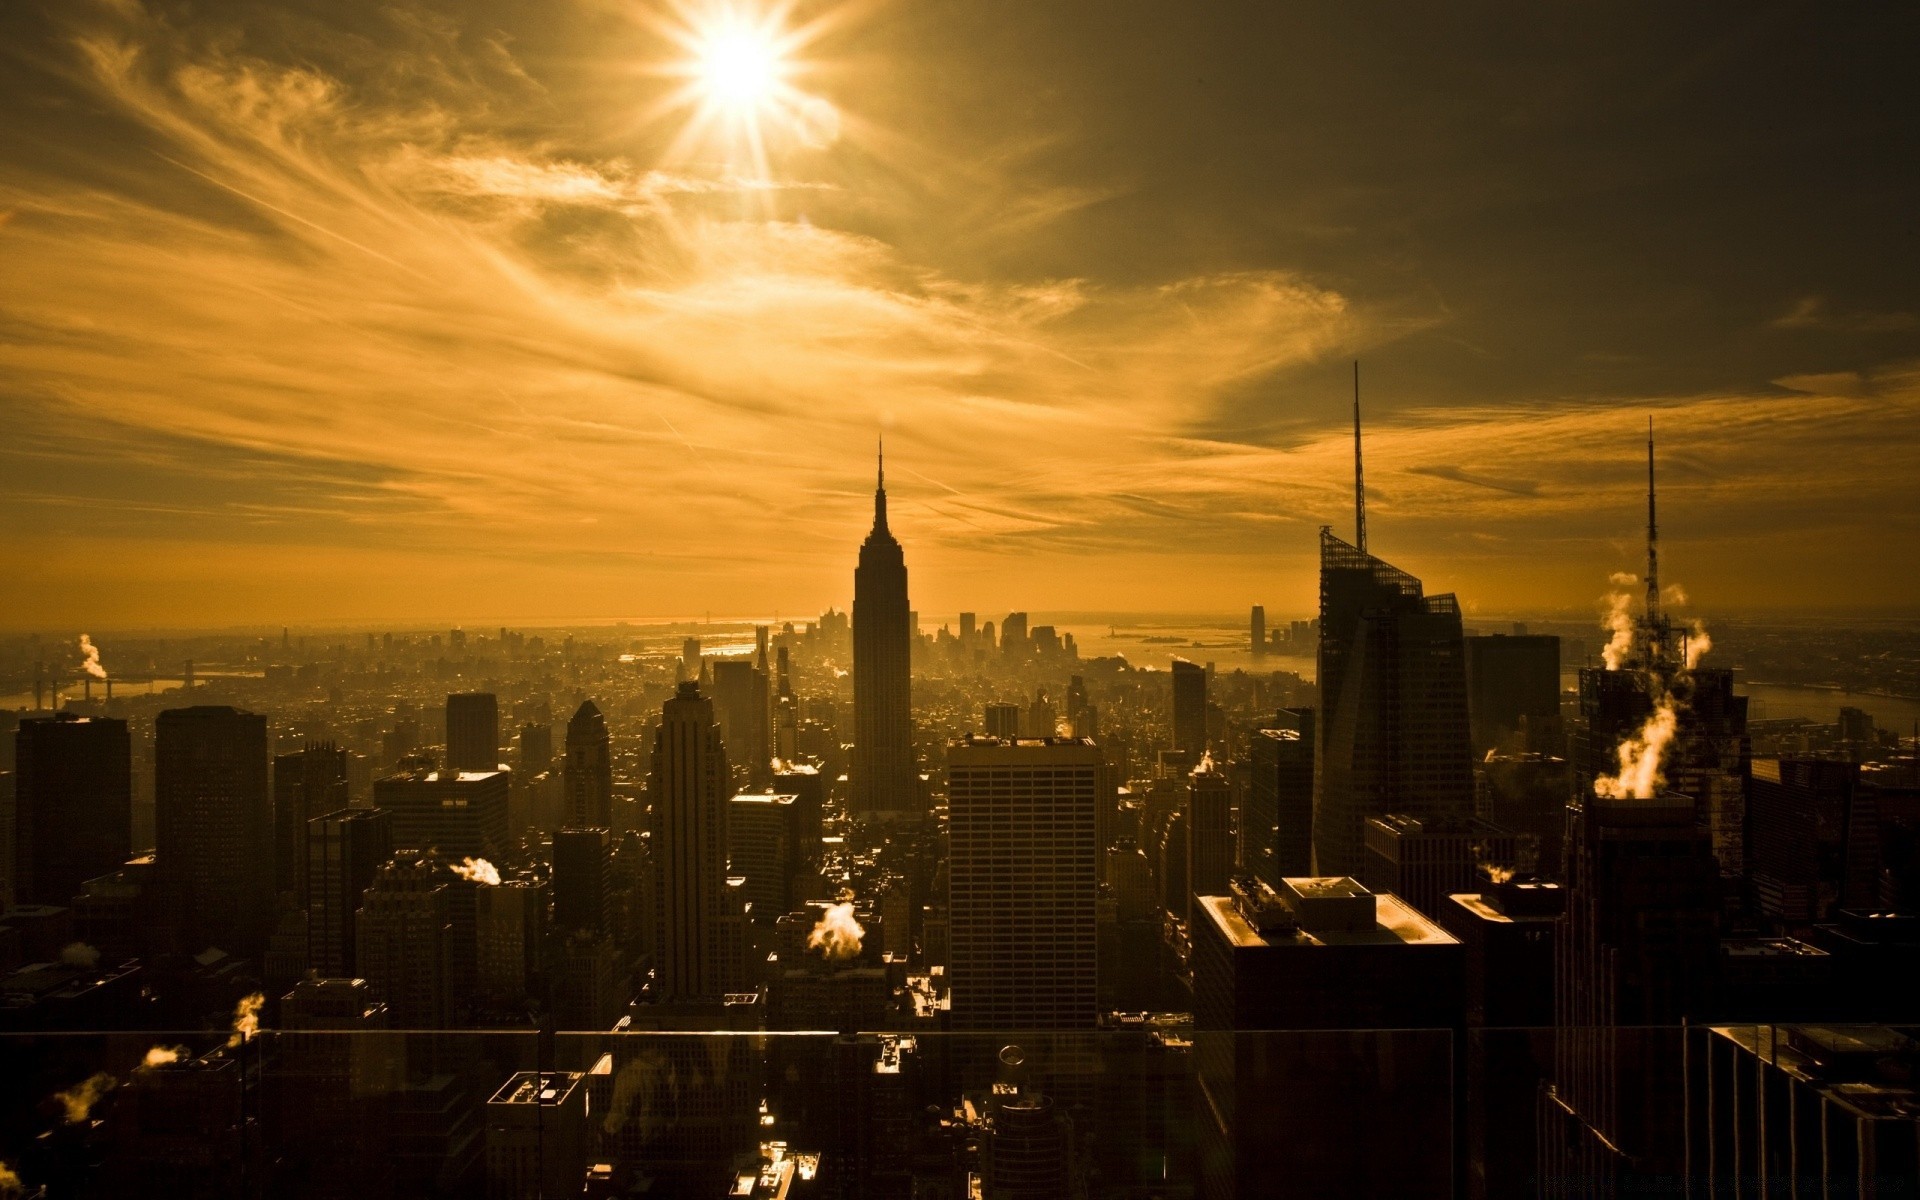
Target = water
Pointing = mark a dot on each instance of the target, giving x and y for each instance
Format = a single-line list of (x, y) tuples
[(1773, 701)]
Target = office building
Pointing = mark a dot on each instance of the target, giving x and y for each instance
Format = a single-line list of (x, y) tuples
[(1814, 840), (1257, 634), (306, 784), (698, 940), (509, 943), (582, 882), (72, 805), (536, 748), (214, 826), (1392, 719), (1002, 720), (1299, 1112), (763, 848), (1276, 829), (1425, 861), (1021, 882), (1513, 693), (473, 731), (1189, 707), (1209, 836), (459, 814), (743, 708), (345, 849), (587, 777), (1014, 642), (883, 773), (1636, 957), (538, 1136), (403, 942)]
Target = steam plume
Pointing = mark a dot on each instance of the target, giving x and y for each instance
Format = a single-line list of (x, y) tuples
[(79, 954), (10, 1185), (92, 665), (1642, 756), (1698, 643), (246, 1018), (1619, 622), (160, 1056), (79, 1099), (1498, 874), (837, 936), (476, 870)]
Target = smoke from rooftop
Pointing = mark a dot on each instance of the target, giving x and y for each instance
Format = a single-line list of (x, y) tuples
[(837, 936), (476, 870)]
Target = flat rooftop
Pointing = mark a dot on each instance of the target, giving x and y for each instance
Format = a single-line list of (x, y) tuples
[(1395, 924)]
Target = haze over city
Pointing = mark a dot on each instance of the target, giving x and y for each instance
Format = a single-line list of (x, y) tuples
[(497, 311)]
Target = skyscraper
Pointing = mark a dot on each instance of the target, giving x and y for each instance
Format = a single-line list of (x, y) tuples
[(1189, 707), (1276, 828), (1021, 882), (885, 778), (214, 826), (1392, 716), (1209, 835), (582, 881), (588, 775), (404, 940), (1513, 692), (699, 940), (457, 813), (741, 703), (1257, 633), (73, 804), (306, 784), (344, 850), (473, 731)]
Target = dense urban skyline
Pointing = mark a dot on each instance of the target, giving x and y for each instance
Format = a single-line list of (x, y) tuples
[(495, 311)]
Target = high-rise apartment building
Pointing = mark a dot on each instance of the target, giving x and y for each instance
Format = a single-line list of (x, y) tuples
[(306, 783), (72, 805), (345, 849), (699, 937), (404, 938), (1392, 718), (1276, 826), (1189, 707), (214, 826), (459, 814), (884, 776), (588, 774), (473, 731), (1021, 882)]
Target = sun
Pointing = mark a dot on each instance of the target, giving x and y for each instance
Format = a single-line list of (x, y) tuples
[(739, 67)]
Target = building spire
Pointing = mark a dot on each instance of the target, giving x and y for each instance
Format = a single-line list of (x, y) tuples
[(1653, 539), (1359, 476), (880, 490)]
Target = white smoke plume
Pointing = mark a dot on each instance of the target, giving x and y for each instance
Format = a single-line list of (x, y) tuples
[(837, 936), (79, 1099), (246, 1018), (1619, 622), (476, 870), (1642, 756), (1698, 643), (1498, 874), (1673, 593), (10, 1185), (92, 665), (79, 954), (160, 1056)]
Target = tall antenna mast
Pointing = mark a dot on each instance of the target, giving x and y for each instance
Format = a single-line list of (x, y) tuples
[(1359, 476), (1653, 540)]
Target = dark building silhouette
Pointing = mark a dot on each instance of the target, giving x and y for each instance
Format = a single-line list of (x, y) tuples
[(536, 748), (1257, 633), (1636, 957), (72, 805), (458, 814), (1002, 720), (1513, 692), (1814, 840), (699, 942), (214, 826), (763, 848), (1209, 836), (1526, 793), (1424, 862), (588, 774), (344, 850), (306, 784), (1189, 707), (1301, 1112), (582, 881), (743, 707), (473, 731), (1021, 882), (1392, 717), (1276, 826), (884, 776), (404, 942)]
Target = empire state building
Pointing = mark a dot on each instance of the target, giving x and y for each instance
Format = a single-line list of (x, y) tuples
[(884, 777)]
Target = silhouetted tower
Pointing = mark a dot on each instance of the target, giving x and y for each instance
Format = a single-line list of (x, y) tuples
[(73, 804), (699, 940), (1189, 707), (884, 776), (306, 784), (214, 826), (473, 731), (1359, 475), (588, 775)]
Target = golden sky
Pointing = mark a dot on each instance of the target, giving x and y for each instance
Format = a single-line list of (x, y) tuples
[(489, 311)]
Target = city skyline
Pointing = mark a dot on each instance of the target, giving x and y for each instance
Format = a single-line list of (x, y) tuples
[(500, 313)]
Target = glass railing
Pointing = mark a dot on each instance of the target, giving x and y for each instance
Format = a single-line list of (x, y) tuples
[(1154, 1108)]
